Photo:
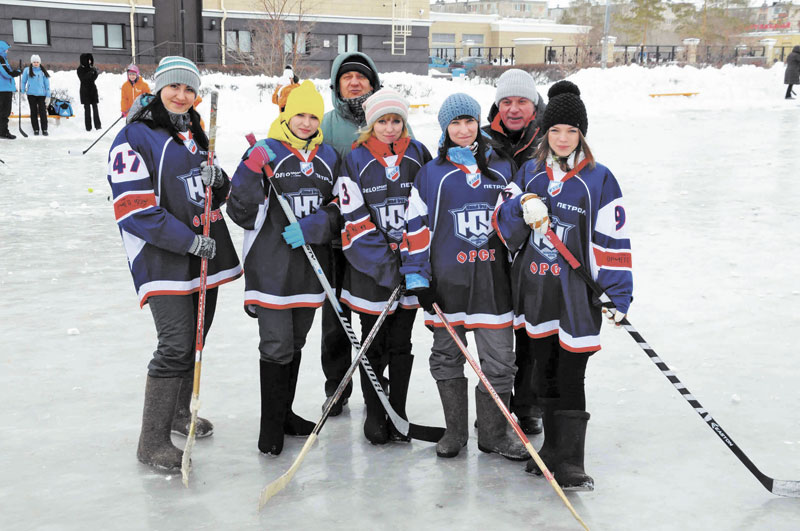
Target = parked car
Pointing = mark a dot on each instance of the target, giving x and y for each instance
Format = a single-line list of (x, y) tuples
[(469, 64)]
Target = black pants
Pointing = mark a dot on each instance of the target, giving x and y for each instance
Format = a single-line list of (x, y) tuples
[(5, 110), (523, 402), (175, 317), (393, 337), (789, 90), (88, 109), (560, 373), (335, 347), (38, 112)]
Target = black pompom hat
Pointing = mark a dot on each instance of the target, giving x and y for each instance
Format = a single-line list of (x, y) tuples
[(564, 106)]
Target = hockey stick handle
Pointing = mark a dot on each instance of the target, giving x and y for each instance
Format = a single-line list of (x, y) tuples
[(787, 488), (506, 413)]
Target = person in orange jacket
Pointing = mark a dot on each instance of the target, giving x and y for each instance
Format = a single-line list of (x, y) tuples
[(132, 88)]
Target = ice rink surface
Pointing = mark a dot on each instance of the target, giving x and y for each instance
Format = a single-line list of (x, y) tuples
[(711, 189)]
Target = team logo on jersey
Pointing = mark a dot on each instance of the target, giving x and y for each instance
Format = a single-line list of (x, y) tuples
[(392, 173), (195, 191), (304, 201), (542, 244), (307, 168), (554, 188), (473, 223), (474, 179), (390, 216), (189, 142)]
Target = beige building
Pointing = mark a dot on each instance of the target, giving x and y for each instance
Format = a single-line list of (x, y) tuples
[(504, 8)]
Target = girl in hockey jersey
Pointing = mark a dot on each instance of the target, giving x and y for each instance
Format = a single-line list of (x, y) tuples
[(36, 84), (452, 256), (281, 289), (563, 188), (158, 170), (373, 188)]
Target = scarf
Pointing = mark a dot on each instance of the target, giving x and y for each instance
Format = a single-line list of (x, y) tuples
[(356, 107)]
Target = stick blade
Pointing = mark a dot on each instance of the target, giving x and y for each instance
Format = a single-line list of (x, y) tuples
[(278, 485), (789, 489), (186, 460), (425, 433)]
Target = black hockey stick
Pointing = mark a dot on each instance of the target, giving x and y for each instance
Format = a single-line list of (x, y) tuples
[(415, 431), (19, 104), (780, 487), (76, 152), (276, 486)]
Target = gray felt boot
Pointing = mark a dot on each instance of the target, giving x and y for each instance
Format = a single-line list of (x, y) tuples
[(155, 446), (454, 402), (495, 436)]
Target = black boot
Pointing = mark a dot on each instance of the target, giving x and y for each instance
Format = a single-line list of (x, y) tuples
[(155, 446), (569, 472), (295, 424), (183, 414), (399, 376), (495, 436), (274, 395), (376, 425), (548, 450), (454, 403)]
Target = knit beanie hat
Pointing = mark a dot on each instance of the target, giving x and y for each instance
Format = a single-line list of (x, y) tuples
[(356, 63), (564, 106), (304, 99), (516, 82), (35, 59), (133, 68), (456, 105), (177, 69), (385, 101)]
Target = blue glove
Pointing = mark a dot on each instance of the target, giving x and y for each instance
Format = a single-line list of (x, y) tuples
[(293, 235), (415, 281)]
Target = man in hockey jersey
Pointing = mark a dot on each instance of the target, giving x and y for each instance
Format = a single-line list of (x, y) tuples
[(7, 89), (452, 255), (354, 78), (564, 188), (514, 125), (158, 170), (281, 289), (373, 188)]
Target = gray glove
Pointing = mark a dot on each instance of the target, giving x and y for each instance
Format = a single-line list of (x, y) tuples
[(204, 247), (211, 175)]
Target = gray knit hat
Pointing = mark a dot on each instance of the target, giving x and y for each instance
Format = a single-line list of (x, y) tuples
[(456, 105), (516, 82), (176, 69)]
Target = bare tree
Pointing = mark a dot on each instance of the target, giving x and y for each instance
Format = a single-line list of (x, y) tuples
[(281, 37)]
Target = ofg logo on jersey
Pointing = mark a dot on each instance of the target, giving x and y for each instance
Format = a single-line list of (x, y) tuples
[(539, 242), (304, 201), (473, 223), (195, 191), (391, 216)]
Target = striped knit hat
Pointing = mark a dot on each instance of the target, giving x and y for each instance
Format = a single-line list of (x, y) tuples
[(176, 69), (383, 102)]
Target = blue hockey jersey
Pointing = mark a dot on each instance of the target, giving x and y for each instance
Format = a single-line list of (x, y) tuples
[(373, 188), (277, 276), (159, 200), (587, 214), (449, 237)]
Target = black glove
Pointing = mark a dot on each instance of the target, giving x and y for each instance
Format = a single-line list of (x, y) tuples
[(426, 297), (16, 73), (203, 246)]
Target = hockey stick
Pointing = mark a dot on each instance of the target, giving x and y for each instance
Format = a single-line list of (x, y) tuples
[(76, 152), (186, 463), (415, 431), (780, 487), (276, 486), (497, 400), (19, 104)]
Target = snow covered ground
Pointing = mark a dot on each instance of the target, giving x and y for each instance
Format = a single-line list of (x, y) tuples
[(711, 190)]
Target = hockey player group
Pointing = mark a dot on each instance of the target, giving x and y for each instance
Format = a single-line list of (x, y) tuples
[(463, 229)]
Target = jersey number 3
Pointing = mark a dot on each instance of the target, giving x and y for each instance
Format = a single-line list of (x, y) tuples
[(119, 164)]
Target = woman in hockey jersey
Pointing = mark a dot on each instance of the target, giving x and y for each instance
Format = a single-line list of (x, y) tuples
[(281, 289), (158, 170), (563, 188), (373, 188), (451, 255)]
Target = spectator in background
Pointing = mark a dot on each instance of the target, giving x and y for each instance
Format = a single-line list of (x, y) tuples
[(792, 75), (87, 73), (36, 84), (132, 88), (7, 90)]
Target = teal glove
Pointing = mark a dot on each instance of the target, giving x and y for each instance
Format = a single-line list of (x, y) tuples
[(293, 235)]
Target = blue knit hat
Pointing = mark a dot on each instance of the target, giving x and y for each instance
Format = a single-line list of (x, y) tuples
[(176, 69), (456, 105)]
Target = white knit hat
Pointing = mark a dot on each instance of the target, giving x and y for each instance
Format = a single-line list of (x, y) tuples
[(35, 59), (177, 69), (383, 102), (516, 82)]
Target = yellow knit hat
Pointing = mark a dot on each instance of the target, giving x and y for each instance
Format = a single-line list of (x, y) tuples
[(303, 99)]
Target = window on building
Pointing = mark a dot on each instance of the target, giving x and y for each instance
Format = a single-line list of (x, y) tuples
[(476, 38), (348, 43), (107, 36), (29, 31), (289, 41), (238, 41), (444, 38)]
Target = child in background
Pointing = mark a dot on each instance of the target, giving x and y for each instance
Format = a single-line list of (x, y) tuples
[(36, 84), (132, 88)]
